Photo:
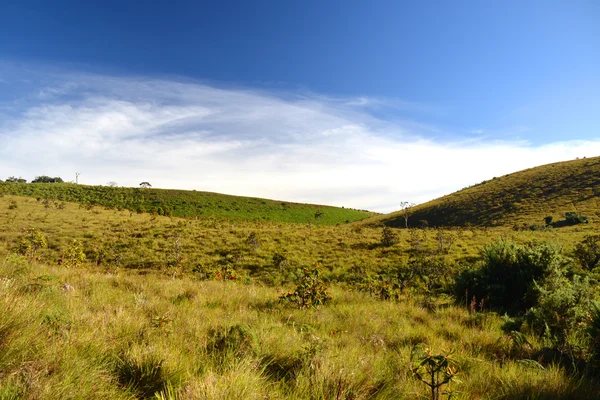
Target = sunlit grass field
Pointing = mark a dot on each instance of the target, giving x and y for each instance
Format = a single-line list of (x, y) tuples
[(121, 239), (145, 316), (186, 203), (86, 334)]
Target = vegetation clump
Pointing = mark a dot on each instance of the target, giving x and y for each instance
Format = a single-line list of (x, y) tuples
[(434, 370), (587, 252), (235, 341), (562, 309), (311, 291), (47, 179), (145, 375), (166, 290), (574, 218), (507, 275), (73, 256), (388, 237), (180, 203), (29, 244)]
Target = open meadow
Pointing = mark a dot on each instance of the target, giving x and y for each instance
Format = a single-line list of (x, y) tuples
[(108, 304)]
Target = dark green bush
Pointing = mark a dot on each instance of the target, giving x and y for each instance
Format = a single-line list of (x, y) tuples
[(47, 179), (574, 218), (562, 309), (505, 277), (587, 252), (593, 331), (432, 273)]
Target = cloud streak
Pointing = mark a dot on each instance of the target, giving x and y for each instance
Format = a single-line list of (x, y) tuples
[(289, 146)]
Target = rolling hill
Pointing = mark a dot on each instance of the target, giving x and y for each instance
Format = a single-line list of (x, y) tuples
[(522, 198), (184, 203)]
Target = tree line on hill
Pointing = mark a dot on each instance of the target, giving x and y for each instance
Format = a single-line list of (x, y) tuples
[(38, 179)]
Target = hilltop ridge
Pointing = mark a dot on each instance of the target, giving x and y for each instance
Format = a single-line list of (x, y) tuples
[(520, 198)]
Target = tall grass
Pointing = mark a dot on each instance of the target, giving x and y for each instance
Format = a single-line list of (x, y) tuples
[(132, 324), (228, 340)]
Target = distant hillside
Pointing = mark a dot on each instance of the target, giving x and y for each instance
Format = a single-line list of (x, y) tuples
[(185, 203), (520, 198)]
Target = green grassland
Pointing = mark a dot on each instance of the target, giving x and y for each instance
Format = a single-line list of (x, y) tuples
[(113, 238), (175, 308), (127, 336), (185, 203), (521, 198)]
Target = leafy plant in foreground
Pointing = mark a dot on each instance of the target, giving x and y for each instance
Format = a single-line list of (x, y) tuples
[(434, 370)]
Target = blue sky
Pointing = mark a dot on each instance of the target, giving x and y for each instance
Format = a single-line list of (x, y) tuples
[(355, 103)]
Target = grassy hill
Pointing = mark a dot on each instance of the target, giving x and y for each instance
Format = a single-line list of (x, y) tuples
[(185, 203), (105, 304), (522, 198), (168, 308)]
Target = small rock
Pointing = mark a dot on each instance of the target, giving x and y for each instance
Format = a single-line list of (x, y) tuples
[(67, 288)]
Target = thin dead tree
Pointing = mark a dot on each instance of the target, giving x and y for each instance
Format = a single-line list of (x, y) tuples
[(405, 209)]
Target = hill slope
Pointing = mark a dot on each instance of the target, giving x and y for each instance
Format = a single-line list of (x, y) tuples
[(185, 203), (521, 198)]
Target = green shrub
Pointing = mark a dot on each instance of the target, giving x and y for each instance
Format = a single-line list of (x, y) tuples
[(382, 286), (593, 331), (574, 218), (434, 370), (73, 257), (562, 308), (505, 277), (47, 179), (311, 290), (432, 273), (253, 241), (280, 261), (29, 244), (388, 237), (587, 252)]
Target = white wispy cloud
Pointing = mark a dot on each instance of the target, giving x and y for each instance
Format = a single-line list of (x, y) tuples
[(288, 146)]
